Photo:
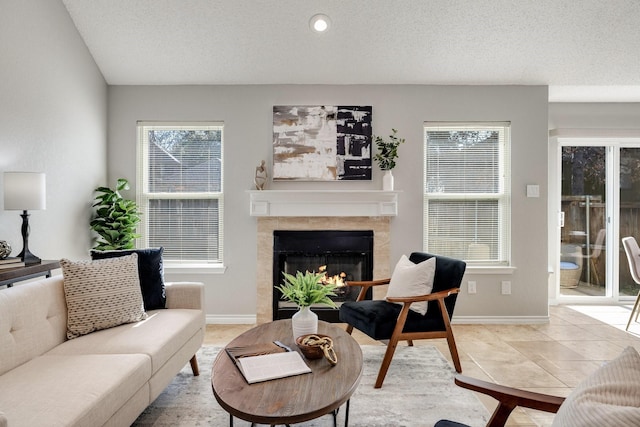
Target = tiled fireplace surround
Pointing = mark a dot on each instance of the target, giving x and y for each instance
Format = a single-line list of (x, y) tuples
[(319, 210)]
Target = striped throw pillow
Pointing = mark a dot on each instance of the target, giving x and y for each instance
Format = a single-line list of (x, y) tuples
[(101, 294)]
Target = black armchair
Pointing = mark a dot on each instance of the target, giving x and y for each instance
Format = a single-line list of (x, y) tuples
[(383, 320)]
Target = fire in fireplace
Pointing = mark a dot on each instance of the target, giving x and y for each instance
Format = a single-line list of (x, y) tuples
[(346, 255)]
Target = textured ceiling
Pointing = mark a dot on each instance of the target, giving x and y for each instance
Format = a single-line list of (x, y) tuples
[(585, 50)]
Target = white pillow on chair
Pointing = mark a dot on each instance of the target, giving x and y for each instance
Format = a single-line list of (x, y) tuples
[(410, 280)]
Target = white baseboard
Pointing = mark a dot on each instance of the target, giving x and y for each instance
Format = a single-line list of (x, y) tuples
[(231, 319), (499, 320), (250, 319)]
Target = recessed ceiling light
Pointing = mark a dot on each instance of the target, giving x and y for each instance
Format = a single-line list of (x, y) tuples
[(320, 23)]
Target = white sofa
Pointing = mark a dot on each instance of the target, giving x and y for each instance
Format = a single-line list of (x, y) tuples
[(105, 378)]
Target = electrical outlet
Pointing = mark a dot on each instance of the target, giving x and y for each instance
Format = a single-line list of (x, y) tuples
[(506, 287), (471, 287)]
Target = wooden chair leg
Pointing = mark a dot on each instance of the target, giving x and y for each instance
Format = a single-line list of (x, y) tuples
[(410, 343), (594, 268), (349, 329), (194, 366), (634, 310), (450, 340), (386, 361), (392, 344), (454, 352)]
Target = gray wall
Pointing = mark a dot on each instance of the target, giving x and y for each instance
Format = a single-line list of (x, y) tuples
[(53, 119), (580, 115), (247, 114)]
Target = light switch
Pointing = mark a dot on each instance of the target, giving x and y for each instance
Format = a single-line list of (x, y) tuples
[(533, 191)]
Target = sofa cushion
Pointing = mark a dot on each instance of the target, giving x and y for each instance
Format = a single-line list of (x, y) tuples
[(608, 397), (409, 280), (377, 318), (101, 294), (160, 336), (150, 273), (79, 390)]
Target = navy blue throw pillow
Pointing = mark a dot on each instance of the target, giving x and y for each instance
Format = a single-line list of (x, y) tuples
[(150, 271)]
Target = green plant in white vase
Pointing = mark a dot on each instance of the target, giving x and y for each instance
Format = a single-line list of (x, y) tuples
[(387, 155), (304, 290)]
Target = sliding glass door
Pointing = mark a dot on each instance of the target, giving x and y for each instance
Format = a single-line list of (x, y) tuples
[(599, 204), (583, 269), (629, 213)]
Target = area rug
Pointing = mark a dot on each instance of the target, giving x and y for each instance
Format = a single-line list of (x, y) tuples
[(418, 391)]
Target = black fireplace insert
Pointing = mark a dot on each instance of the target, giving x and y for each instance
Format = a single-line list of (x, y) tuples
[(341, 251)]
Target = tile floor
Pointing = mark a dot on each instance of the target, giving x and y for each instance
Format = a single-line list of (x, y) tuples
[(547, 358)]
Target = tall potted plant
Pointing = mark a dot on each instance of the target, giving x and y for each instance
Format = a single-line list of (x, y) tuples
[(115, 218), (386, 157), (306, 289)]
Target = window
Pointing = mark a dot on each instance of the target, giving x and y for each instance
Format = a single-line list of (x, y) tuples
[(467, 191), (180, 190)]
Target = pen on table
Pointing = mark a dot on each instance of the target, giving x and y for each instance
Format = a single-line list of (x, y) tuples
[(279, 344)]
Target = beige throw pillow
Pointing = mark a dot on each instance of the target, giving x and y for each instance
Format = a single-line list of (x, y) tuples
[(101, 294), (410, 280), (608, 397)]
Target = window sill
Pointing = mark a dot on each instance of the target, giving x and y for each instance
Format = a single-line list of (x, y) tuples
[(196, 268), (476, 269)]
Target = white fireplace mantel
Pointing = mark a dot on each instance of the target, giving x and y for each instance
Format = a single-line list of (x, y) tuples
[(323, 203)]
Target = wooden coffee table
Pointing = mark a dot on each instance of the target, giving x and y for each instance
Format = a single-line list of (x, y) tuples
[(293, 399)]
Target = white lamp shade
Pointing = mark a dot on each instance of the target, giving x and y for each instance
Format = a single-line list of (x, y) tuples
[(25, 191)]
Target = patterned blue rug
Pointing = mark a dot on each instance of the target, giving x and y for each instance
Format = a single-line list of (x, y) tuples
[(418, 391)]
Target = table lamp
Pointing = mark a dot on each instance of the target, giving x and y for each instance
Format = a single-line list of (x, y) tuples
[(25, 191)]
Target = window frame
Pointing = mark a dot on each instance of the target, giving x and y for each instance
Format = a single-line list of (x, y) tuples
[(143, 196), (502, 195)]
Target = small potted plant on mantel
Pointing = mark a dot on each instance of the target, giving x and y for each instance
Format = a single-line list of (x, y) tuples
[(386, 157), (304, 290)]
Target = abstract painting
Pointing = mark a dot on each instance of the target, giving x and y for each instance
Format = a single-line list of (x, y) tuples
[(321, 143)]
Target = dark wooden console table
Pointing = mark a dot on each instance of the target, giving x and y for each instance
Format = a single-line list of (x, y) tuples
[(9, 276)]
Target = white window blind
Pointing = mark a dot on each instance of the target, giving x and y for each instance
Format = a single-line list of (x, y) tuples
[(467, 211), (180, 190)]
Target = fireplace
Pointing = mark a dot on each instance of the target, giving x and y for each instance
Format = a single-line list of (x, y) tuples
[(269, 224), (341, 251)]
